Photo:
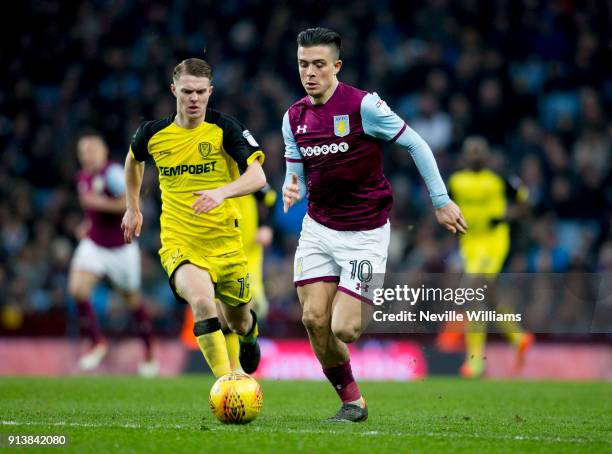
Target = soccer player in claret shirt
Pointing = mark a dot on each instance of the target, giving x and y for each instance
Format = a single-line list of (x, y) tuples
[(102, 253), (333, 142), (204, 159)]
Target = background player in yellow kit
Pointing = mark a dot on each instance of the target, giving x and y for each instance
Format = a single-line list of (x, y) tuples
[(256, 235), (205, 159), (487, 201)]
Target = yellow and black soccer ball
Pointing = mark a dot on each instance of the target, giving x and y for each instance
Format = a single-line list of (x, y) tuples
[(235, 399)]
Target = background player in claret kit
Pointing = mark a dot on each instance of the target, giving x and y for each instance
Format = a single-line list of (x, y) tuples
[(488, 202), (102, 252), (333, 139), (205, 159)]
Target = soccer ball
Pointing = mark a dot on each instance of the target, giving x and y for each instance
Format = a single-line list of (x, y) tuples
[(235, 399)]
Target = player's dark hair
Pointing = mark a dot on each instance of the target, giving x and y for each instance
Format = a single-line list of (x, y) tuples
[(475, 141), (192, 67), (320, 36)]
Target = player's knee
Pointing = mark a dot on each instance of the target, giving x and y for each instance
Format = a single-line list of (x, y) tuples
[(77, 291), (347, 334), (203, 307), (314, 322), (240, 327), (132, 299)]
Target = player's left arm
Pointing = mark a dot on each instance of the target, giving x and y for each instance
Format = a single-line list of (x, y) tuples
[(517, 196), (380, 121), (266, 198), (114, 204), (242, 147)]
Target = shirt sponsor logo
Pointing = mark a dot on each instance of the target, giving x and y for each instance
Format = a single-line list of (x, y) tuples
[(341, 125), (317, 150), (383, 107), (192, 169)]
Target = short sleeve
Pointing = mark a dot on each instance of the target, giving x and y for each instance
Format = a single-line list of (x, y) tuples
[(139, 146), (516, 191), (292, 153), (115, 180), (239, 143), (378, 120)]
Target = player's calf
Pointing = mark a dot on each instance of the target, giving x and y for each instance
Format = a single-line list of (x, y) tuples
[(250, 354), (212, 345), (353, 407)]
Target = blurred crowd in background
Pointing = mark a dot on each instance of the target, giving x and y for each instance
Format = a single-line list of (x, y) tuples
[(533, 77)]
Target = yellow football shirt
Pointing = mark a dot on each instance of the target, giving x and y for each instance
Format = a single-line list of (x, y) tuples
[(206, 157), (483, 196)]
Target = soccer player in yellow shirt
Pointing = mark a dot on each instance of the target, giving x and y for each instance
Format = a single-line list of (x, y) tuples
[(255, 238), (204, 159), (487, 201)]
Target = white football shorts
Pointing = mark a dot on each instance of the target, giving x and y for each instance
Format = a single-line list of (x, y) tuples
[(354, 259), (120, 264)]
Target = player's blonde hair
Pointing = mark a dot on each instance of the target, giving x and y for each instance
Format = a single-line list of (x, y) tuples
[(192, 67)]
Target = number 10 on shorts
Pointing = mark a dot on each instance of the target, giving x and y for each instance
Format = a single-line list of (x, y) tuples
[(362, 269)]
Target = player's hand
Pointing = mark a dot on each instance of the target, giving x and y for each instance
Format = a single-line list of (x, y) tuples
[(264, 236), (208, 199), (451, 218), (291, 193), (82, 229), (131, 224)]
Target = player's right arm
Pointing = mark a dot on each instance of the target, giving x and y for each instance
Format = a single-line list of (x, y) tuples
[(380, 121), (294, 188), (134, 171), (132, 219), (239, 143)]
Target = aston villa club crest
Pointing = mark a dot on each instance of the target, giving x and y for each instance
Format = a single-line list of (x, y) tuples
[(342, 127), (97, 184), (204, 148)]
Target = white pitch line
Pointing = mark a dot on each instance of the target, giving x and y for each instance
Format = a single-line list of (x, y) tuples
[(439, 435), (93, 425), (436, 435)]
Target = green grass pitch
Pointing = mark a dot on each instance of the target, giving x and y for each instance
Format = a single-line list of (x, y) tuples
[(129, 414)]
